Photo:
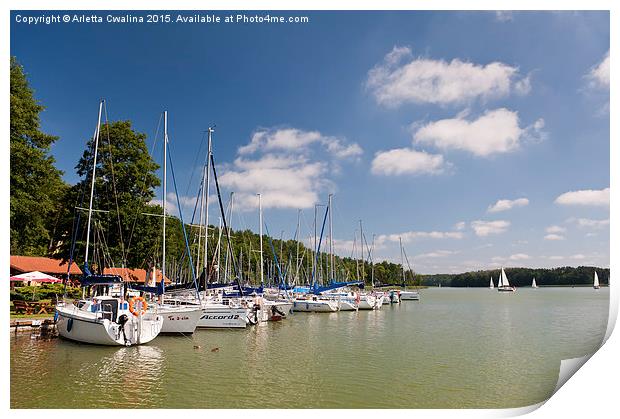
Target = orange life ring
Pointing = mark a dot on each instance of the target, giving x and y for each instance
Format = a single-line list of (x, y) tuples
[(143, 307)]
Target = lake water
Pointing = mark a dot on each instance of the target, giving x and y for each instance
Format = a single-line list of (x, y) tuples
[(456, 348)]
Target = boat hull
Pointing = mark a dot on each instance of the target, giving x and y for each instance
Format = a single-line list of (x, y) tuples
[(506, 289), (315, 306), (179, 319), (367, 302), (79, 326), (220, 316), (409, 295), (344, 305)]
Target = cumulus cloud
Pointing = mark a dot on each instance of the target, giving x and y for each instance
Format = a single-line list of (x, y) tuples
[(403, 161), (589, 223), (586, 197), (295, 140), (598, 76), (437, 254), (284, 182), (555, 229), (485, 228), (410, 236), (496, 131), (460, 225), (289, 167), (401, 78), (554, 237), (519, 256), (506, 204)]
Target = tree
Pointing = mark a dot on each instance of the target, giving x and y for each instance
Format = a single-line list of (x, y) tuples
[(36, 185), (124, 186)]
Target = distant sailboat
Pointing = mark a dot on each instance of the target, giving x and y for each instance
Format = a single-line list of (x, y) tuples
[(491, 285), (503, 284), (596, 284), (534, 283)]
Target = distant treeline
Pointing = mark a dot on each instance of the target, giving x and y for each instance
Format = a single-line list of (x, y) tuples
[(521, 277)]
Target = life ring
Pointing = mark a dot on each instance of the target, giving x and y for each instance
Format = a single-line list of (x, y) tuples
[(137, 311)]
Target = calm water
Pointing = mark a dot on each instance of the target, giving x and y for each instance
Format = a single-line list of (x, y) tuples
[(456, 348)]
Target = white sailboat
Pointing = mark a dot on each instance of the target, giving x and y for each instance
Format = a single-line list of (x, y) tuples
[(596, 284), (504, 285), (491, 285), (534, 283), (405, 294), (105, 318)]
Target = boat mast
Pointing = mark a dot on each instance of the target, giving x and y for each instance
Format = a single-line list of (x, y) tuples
[(210, 131), (331, 240), (402, 264), (201, 197), (260, 229), (297, 255), (92, 182), (163, 245), (362, 249)]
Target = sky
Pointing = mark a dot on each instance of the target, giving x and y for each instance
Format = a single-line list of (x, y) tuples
[(480, 139)]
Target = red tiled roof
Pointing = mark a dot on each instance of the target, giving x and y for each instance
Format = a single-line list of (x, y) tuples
[(42, 264), (133, 275)]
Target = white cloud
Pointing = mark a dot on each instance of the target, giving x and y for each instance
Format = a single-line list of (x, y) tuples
[(598, 76), (506, 204), (555, 229), (554, 237), (503, 15), (519, 256), (295, 140), (496, 131), (589, 223), (284, 182), (287, 166), (403, 161), (485, 228), (585, 197), (401, 78), (410, 236), (437, 254), (460, 225)]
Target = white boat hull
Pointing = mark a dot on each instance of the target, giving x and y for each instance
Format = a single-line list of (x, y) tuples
[(220, 316), (86, 327), (315, 306), (345, 305), (179, 319), (409, 295), (506, 289), (368, 302)]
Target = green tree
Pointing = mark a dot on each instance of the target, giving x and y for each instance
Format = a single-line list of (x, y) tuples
[(124, 186), (36, 185)]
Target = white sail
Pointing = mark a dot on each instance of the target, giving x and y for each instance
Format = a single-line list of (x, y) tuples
[(596, 284), (504, 279), (491, 284), (534, 283)]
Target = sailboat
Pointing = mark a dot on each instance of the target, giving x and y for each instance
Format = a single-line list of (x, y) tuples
[(404, 294), (503, 284), (596, 284), (105, 317), (534, 283), (491, 285)]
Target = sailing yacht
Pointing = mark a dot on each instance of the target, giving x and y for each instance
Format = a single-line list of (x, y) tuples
[(504, 285), (534, 283), (405, 294), (596, 284), (105, 317), (491, 285)]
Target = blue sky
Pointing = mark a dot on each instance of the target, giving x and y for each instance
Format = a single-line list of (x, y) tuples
[(481, 139)]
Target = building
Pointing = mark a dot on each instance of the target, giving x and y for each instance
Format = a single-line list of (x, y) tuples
[(54, 267)]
